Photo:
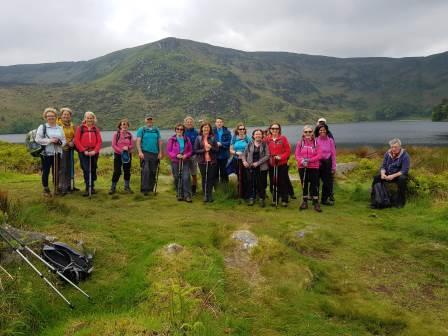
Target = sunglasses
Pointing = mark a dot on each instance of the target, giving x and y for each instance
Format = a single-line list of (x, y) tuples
[(307, 132), (241, 129), (275, 128), (179, 129)]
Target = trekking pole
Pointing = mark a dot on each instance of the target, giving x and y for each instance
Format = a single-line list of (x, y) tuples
[(206, 184), (36, 270), (276, 184), (179, 177), (6, 272), (55, 170), (240, 176), (157, 177), (72, 168), (253, 173), (90, 177), (54, 270)]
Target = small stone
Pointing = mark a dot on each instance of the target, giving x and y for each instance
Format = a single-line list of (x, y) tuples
[(373, 215), (174, 248), (301, 234), (248, 239)]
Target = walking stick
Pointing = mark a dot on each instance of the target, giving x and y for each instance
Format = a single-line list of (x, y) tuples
[(142, 164), (36, 270), (72, 168), (276, 183), (240, 177), (55, 170), (179, 178), (24, 246), (157, 177), (90, 177), (6, 272), (206, 182)]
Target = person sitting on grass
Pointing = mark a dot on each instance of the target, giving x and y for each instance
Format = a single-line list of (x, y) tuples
[(395, 169)]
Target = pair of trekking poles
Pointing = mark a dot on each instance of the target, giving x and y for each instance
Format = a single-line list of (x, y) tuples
[(55, 172), (11, 240)]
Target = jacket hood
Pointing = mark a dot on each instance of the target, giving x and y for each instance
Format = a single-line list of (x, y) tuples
[(399, 155)]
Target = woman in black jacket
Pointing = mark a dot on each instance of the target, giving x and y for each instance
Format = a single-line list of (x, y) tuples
[(206, 149)]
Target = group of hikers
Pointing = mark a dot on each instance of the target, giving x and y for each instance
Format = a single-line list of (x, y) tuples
[(214, 150)]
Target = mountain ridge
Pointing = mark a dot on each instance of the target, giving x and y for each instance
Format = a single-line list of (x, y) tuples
[(173, 77)]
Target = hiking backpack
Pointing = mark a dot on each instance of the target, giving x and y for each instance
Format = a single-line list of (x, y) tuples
[(75, 265), (33, 147), (380, 198)]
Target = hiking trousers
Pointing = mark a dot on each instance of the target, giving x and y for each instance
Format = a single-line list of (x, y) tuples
[(48, 164), (149, 170), (88, 165), (310, 181), (327, 178), (281, 182), (257, 181), (118, 164), (185, 189), (210, 172)]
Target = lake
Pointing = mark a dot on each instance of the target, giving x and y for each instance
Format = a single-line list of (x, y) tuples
[(376, 133)]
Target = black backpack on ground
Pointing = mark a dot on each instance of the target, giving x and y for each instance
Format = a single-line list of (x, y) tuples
[(73, 264), (380, 197)]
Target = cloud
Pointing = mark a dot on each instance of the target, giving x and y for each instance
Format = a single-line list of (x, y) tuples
[(50, 30)]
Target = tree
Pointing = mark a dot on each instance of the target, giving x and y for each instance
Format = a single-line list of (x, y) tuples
[(440, 111)]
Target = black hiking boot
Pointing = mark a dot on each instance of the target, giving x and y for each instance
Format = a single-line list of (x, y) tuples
[(113, 188), (304, 205), (46, 191), (316, 205), (193, 189), (127, 187), (327, 202)]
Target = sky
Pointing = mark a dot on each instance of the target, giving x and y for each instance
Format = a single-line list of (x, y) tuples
[(44, 31)]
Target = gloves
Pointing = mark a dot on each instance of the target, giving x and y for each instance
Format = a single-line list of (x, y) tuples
[(305, 163)]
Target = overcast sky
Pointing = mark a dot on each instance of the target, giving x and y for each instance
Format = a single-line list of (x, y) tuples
[(38, 31)]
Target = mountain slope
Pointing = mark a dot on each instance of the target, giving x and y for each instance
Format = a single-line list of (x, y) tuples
[(173, 77)]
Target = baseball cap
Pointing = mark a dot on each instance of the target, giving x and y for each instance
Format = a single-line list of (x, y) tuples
[(322, 120), (148, 117)]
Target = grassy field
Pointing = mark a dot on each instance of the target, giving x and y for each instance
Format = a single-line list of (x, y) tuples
[(347, 271)]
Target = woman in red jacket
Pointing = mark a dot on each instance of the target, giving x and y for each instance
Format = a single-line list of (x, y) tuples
[(279, 150), (308, 159), (88, 143)]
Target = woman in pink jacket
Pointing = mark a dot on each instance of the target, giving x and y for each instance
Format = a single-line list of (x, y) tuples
[(327, 166), (122, 143), (179, 150), (308, 156)]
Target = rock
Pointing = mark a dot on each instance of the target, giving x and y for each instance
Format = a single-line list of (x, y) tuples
[(300, 234), (373, 215), (248, 239), (344, 168), (173, 248)]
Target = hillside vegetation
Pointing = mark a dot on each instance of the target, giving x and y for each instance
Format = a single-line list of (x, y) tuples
[(347, 271), (174, 77)]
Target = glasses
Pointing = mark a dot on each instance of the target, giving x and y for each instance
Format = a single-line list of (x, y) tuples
[(179, 129), (275, 128), (241, 129), (307, 132)]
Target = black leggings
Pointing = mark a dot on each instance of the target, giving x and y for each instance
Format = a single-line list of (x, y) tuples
[(281, 183), (257, 181), (208, 173), (309, 178), (50, 162), (118, 163), (327, 178)]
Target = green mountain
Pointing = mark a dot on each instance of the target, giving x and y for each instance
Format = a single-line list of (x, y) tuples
[(172, 77)]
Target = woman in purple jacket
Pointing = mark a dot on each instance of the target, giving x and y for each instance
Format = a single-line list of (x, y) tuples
[(327, 166), (308, 156), (179, 150)]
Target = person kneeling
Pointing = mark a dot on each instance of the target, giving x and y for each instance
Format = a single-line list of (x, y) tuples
[(395, 169)]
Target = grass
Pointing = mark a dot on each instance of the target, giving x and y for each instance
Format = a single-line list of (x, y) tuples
[(347, 271)]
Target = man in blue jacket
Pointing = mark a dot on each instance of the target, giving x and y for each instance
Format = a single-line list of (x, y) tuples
[(223, 137), (395, 169)]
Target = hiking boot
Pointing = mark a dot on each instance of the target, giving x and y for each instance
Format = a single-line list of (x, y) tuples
[(304, 205), (251, 202), (193, 189), (113, 188), (188, 199), (127, 187), (293, 196), (331, 198), (327, 202), (317, 206), (46, 191), (284, 204), (262, 203), (180, 198)]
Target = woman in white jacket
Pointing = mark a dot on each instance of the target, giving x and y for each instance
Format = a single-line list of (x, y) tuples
[(51, 136)]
